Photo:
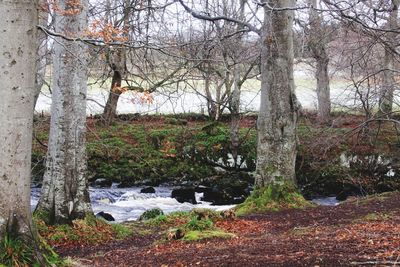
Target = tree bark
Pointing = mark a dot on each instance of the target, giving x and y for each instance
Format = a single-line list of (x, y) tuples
[(65, 194), (110, 110), (235, 96), (17, 85), (117, 61), (388, 81), (317, 43), (42, 49), (323, 88), (277, 121)]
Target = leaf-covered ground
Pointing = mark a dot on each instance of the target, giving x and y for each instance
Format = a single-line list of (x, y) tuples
[(359, 232)]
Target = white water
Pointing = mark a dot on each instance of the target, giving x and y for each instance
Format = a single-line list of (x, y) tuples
[(326, 201), (127, 204)]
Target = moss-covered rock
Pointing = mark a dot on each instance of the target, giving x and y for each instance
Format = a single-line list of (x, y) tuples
[(276, 196)]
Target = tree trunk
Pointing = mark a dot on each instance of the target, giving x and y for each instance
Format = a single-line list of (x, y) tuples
[(317, 43), (277, 121), (65, 194), (41, 55), (17, 85), (235, 115), (110, 110), (235, 96), (323, 88), (117, 61), (388, 82)]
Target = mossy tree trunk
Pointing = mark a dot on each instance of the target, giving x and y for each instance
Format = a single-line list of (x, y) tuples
[(277, 121), (17, 84), (65, 194)]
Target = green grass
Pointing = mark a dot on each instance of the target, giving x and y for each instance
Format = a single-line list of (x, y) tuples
[(121, 231)]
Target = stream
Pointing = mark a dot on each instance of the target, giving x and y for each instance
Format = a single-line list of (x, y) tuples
[(127, 204)]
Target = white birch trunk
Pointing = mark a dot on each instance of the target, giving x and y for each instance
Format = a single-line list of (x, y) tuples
[(42, 49), (65, 195), (277, 121), (17, 85)]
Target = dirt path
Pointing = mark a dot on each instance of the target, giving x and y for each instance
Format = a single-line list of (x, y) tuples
[(357, 233)]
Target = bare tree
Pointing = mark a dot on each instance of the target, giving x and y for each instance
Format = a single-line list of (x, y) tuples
[(277, 120), (65, 194), (318, 38), (388, 82), (117, 62)]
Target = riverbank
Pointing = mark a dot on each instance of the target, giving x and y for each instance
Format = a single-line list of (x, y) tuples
[(343, 159), (358, 232)]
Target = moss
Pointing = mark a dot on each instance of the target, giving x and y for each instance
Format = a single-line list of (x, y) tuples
[(151, 214), (274, 197), (208, 234)]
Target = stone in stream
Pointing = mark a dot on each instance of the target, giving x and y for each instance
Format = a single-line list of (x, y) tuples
[(106, 216), (184, 195), (101, 182), (148, 190)]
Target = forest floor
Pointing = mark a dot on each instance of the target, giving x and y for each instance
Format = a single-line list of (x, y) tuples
[(358, 232)]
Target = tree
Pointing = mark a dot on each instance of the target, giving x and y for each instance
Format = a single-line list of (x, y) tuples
[(117, 61), (65, 195), (277, 120), (17, 83), (388, 83), (318, 37)]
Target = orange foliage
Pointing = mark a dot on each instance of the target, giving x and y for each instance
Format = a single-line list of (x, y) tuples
[(106, 32)]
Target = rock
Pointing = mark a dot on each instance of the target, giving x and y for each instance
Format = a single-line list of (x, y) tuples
[(106, 216), (201, 189), (101, 182), (184, 195), (148, 190), (228, 188), (348, 190)]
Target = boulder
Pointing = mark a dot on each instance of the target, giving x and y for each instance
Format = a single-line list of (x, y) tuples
[(184, 195), (148, 190), (106, 216), (228, 188), (101, 182)]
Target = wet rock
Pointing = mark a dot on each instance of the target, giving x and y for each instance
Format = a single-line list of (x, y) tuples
[(201, 189), (101, 182), (228, 188), (148, 190), (106, 216), (184, 195), (347, 191)]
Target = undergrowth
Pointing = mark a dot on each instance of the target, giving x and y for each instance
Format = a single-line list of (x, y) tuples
[(15, 251), (88, 231)]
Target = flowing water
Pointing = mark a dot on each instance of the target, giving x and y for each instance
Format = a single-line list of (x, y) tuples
[(127, 204)]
